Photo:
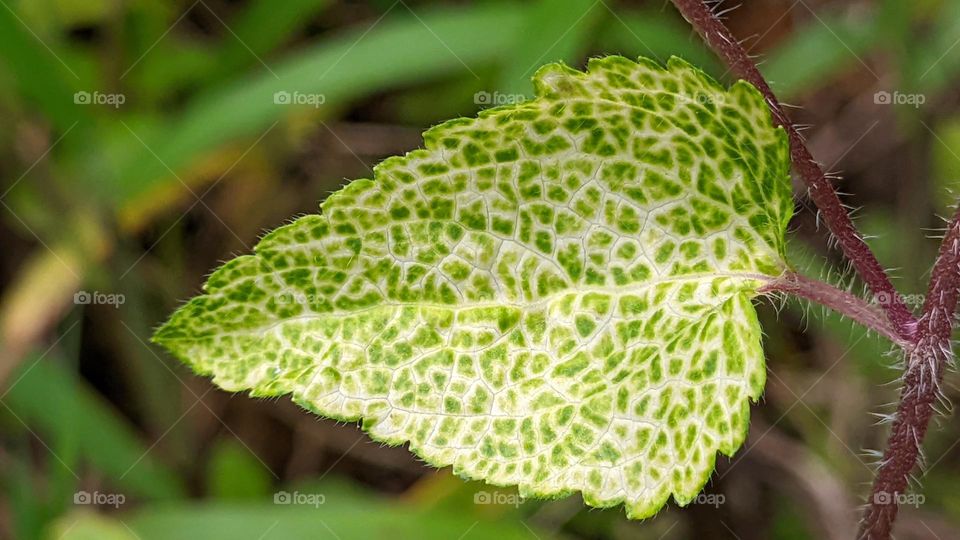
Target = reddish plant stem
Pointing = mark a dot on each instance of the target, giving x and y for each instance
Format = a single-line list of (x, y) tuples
[(921, 384), (928, 347), (725, 45), (843, 302)]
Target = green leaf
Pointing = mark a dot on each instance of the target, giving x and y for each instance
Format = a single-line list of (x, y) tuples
[(392, 53), (819, 50), (556, 294), (345, 513), (553, 30), (260, 28), (654, 32), (235, 473), (60, 407)]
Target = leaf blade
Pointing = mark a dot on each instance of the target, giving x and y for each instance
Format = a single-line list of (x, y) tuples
[(554, 295)]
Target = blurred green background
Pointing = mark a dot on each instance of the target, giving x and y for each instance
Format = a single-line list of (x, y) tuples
[(145, 142)]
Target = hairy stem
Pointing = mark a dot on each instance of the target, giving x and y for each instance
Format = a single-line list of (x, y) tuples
[(843, 302), (926, 361), (927, 340), (725, 45)]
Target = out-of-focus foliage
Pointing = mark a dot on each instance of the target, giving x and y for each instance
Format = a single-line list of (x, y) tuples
[(347, 512)]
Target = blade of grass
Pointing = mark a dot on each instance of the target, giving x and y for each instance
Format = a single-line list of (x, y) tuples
[(262, 26), (401, 50), (819, 50), (42, 75), (344, 513), (654, 33), (55, 403), (553, 30)]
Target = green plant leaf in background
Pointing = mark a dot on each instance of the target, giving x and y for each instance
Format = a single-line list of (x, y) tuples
[(554, 295), (553, 30), (57, 403), (341, 511)]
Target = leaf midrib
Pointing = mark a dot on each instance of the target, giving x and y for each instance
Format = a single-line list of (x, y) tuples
[(523, 306)]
